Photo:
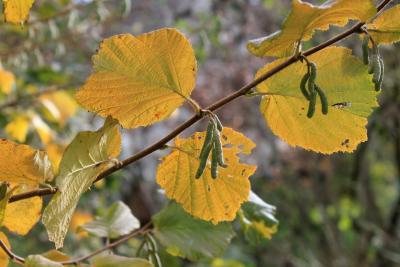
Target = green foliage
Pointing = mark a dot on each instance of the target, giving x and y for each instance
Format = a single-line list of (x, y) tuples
[(188, 237)]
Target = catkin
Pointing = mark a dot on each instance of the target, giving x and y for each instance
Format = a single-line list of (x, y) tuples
[(324, 100), (214, 163), (303, 84), (365, 50), (311, 104)]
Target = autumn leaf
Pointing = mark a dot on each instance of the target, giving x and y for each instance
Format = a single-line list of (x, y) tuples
[(21, 216), (139, 80), (304, 19), (17, 11), (55, 152), (42, 128), (40, 261), (4, 259), (84, 159), (119, 261), (385, 29), (78, 219), (22, 164), (60, 106), (209, 199), (18, 128), (351, 98), (7, 81)]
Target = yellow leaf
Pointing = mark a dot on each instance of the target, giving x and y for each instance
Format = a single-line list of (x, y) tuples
[(17, 11), (385, 29), (7, 81), (4, 259), (18, 128), (79, 218), (43, 130), (209, 199), (351, 97), (56, 255), (55, 152), (304, 19), (264, 230), (139, 80), (22, 164), (84, 159), (22, 215), (60, 105)]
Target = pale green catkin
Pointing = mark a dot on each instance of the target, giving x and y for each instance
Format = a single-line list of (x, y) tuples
[(324, 100)]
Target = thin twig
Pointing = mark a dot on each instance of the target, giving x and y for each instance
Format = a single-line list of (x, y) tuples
[(10, 254), (76, 261), (217, 105)]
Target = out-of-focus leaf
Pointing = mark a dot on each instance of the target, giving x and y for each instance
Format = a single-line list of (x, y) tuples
[(119, 261), (17, 11), (140, 80), (7, 81), (44, 131), (209, 199), (186, 236), (60, 105), (84, 159), (40, 261), (78, 219), (18, 128), (117, 221), (56, 255)]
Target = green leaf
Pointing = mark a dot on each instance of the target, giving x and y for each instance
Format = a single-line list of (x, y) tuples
[(84, 159), (258, 219), (117, 221), (186, 236), (119, 261), (40, 261)]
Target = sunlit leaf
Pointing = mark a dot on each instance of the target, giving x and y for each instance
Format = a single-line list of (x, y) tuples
[(304, 19), (40, 261), (139, 80), (18, 128), (186, 236), (84, 159), (55, 152), (207, 198), (351, 98), (385, 29), (21, 216), (60, 105), (4, 259), (7, 81), (44, 131), (56, 255), (22, 164), (117, 221), (17, 11), (119, 261)]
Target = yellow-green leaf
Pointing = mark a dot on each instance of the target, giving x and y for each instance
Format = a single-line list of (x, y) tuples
[(60, 106), (22, 164), (18, 128), (139, 80), (83, 160), (4, 259), (304, 19), (22, 215), (385, 29), (43, 130), (17, 11), (351, 98), (7, 81), (209, 199)]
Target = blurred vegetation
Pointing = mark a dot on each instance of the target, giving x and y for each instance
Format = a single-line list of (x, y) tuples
[(340, 210)]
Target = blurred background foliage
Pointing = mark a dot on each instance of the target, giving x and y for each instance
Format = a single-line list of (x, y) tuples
[(339, 210)]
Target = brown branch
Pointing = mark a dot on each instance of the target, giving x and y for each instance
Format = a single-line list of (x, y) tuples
[(10, 254), (76, 261), (217, 105)]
